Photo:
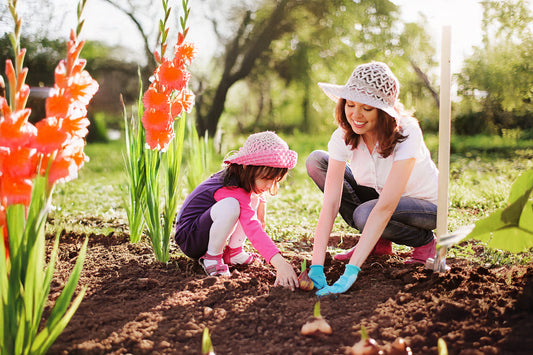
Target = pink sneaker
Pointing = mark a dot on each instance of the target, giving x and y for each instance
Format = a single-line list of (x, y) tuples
[(421, 254), (382, 247)]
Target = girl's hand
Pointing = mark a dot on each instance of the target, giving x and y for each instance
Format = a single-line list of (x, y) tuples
[(285, 274)]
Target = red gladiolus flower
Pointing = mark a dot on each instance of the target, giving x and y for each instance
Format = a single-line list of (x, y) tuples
[(187, 100), (76, 127)]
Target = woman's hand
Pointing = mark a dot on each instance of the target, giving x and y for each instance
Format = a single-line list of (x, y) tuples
[(316, 274), (285, 274), (344, 282)]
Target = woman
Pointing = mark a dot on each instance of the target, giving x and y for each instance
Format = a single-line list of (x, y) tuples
[(377, 173)]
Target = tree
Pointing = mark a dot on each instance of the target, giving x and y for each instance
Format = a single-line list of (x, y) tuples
[(134, 9), (498, 78), (302, 42)]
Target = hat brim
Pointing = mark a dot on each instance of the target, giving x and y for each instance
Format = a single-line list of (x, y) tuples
[(336, 92), (273, 158)]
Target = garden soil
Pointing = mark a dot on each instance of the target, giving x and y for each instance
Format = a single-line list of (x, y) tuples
[(136, 305)]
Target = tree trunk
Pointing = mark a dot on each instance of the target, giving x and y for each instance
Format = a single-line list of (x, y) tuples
[(239, 62), (426, 81)]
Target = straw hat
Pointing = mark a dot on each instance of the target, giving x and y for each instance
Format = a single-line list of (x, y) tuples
[(371, 84), (264, 149)]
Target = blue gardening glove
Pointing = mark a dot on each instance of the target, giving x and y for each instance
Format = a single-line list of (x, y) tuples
[(316, 274), (343, 283)]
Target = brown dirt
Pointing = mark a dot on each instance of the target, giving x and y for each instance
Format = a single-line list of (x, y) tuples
[(137, 305)]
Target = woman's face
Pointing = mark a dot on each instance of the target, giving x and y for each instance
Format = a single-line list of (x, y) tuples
[(362, 118)]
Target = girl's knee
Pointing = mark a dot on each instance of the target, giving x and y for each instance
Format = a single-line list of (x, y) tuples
[(227, 208)]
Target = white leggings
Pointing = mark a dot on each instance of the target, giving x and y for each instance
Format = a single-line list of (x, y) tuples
[(225, 215)]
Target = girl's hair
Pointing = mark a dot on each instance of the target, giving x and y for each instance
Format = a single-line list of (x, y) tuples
[(387, 127), (244, 176)]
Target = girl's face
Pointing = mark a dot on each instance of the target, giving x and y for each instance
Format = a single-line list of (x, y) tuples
[(362, 118), (262, 184)]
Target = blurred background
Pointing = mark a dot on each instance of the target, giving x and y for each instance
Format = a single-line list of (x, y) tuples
[(259, 61)]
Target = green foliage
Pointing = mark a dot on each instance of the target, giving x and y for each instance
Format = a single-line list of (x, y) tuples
[(134, 161), (41, 59), (496, 81), (510, 228), (281, 94), (199, 157), (25, 283)]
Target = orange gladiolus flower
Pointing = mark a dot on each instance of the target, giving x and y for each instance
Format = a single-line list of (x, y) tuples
[(76, 127), (155, 99), (184, 54), (20, 163), (159, 139), (82, 87), (172, 77), (15, 190), (154, 119), (168, 96), (67, 162), (50, 137), (15, 130), (57, 104)]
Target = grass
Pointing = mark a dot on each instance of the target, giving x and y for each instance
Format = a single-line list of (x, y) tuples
[(482, 170)]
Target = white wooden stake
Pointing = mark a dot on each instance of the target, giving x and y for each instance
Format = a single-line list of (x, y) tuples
[(444, 132), (444, 145)]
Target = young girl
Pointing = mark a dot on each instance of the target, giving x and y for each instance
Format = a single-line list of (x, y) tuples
[(221, 212)]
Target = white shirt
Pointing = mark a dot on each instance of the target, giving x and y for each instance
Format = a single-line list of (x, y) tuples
[(372, 170)]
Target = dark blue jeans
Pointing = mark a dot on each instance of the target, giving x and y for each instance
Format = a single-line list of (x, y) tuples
[(411, 224)]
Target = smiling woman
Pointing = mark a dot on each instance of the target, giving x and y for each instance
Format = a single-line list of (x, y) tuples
[(377, 173)]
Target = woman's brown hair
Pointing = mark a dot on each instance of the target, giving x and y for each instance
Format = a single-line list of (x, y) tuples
[(387, 127), (244, 176)]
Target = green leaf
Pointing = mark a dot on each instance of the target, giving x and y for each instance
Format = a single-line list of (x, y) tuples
[(207, 345), (526, 218), (523, 185), (510, 228), (63, 300), (442, 348), (316, 310), (512, 239), (48, 335)]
